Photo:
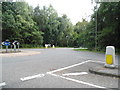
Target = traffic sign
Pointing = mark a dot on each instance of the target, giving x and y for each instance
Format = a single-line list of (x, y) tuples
[(18, 43), (15, 43), (2, 43), (6, 43)]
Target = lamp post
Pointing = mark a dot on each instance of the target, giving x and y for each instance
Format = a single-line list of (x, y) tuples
[(96, 30)]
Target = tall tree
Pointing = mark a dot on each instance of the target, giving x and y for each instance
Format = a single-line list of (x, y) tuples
[(17, 21)]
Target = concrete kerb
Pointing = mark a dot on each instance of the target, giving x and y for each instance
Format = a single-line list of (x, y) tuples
[(73, 80), (96, 70), (22, 53)]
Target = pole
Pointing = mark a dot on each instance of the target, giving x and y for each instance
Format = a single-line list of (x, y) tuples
[(96, 30), (14, 48), (11, 48), (6, 49), (1, 47), (18, 47)]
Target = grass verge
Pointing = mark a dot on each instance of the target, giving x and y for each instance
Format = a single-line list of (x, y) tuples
[(89, 50), (117, 53)]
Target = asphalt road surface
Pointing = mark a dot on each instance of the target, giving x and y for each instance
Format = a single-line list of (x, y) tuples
[(45, 70)]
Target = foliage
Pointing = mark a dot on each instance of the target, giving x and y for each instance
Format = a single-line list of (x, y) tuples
[(57, 30), (17, 23), (34, 27), (102, 30)]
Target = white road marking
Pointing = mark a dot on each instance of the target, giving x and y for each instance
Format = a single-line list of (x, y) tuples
[(2, 84), (74, 80), (77, 81), (70, 79), (69, 66), (32, 77), (75, 74)]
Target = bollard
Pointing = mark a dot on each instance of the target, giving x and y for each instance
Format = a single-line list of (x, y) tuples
[(46, 46), (110, 57), (53, 46)]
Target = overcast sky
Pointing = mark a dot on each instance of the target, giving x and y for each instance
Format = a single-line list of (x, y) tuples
[(74, 9)]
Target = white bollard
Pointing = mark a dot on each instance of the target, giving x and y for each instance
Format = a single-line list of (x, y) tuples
[(46, 46), (110, 56), (53, 46)]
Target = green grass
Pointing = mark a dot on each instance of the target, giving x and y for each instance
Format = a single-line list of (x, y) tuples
[(89, 50), (33, 48), (117, 53), (81, 50), (63, 47), (42, 47)]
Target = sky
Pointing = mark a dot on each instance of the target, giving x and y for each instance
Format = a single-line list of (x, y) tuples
[(74, 9)]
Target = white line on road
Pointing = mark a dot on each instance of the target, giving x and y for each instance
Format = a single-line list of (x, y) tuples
[(2, 84), (77, 81), (69, 66), (75, 74), (32, 77), (74, 80)]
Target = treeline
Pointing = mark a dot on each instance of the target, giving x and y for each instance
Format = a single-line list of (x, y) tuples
[(36, 26), (103, 29), (41, 25)]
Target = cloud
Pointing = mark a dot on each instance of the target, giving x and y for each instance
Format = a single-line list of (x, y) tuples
[(74, 9)]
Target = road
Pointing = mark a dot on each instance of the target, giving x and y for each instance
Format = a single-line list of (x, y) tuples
[(48, 60)]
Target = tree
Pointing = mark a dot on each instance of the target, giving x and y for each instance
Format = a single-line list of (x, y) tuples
[(81, 32), (17, 21), (65, 33), (57, 30), (108, 24)]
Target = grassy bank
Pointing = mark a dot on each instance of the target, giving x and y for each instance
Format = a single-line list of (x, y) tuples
[(89, 50), (117, 53)]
